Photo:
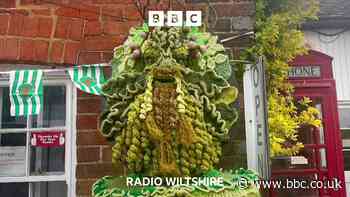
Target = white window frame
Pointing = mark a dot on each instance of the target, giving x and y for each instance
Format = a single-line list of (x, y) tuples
[(59, 78)]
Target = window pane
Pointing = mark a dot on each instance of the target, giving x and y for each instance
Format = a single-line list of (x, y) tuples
[(47, 161), (12, 154), (54, 112), (346, 153), (323, 158), (344, 116), (49, 189), (8, 121), (14, 189), (345, 134)]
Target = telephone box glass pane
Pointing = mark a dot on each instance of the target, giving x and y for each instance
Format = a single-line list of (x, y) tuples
[(12, 154), (323, 158), (309, 134), (345, 135), (320, 130), (344, 118), (346, 153)]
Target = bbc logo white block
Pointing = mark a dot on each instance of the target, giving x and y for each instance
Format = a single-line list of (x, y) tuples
[(174, 18), (156, 18), (194, 18)]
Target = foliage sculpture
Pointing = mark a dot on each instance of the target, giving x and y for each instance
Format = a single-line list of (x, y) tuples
[(169, 101), (169, 106)]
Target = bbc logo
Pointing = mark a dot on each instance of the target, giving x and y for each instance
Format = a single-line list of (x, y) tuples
[(174, 19)]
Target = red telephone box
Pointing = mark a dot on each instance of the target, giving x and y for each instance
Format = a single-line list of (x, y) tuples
[(322, 157)]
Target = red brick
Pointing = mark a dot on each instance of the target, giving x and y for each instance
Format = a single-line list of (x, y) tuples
[(112, 12), (41, 50), (87, 121), (44, 12), (89, 58), (82, 94), (17, 11), (245, 8), (76, 29), (71, 52), (90, 105), (45, 27), (107, 154), (4, 20), (27, 2), (97, 170), (91, 138), (102, 43), (27, 50), (56, 52), (113, 1), (90, 13), (132, 13), (9, 48), (62, 27), (116, 28), (69, 28), (88, 154), (7, 3), (16, 24), (30, 26), (67, 12), (107, 56), (93, 28), (34, 50), (83, 187)]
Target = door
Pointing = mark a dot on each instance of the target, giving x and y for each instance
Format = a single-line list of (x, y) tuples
[(327, 145), (320, 163)]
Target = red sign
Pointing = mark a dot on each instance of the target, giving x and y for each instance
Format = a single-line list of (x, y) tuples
[(48, 139)]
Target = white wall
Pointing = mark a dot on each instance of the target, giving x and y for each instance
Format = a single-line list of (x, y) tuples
[(337, 46)]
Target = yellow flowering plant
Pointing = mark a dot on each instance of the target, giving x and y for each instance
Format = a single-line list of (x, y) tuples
[(279, 40)]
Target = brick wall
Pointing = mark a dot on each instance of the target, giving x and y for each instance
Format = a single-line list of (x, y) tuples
[(65, 32)]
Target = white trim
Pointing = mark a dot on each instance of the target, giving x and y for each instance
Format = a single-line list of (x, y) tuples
[(23, 130), (74, 163), (33, 179)]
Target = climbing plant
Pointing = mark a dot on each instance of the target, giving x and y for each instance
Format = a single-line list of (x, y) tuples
[(279, 40)]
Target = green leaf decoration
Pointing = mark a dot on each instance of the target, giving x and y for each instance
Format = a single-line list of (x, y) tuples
[(223, 67), (227, 96)]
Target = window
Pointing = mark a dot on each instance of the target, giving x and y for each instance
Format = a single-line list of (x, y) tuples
[(36, 153), (344, 118)]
